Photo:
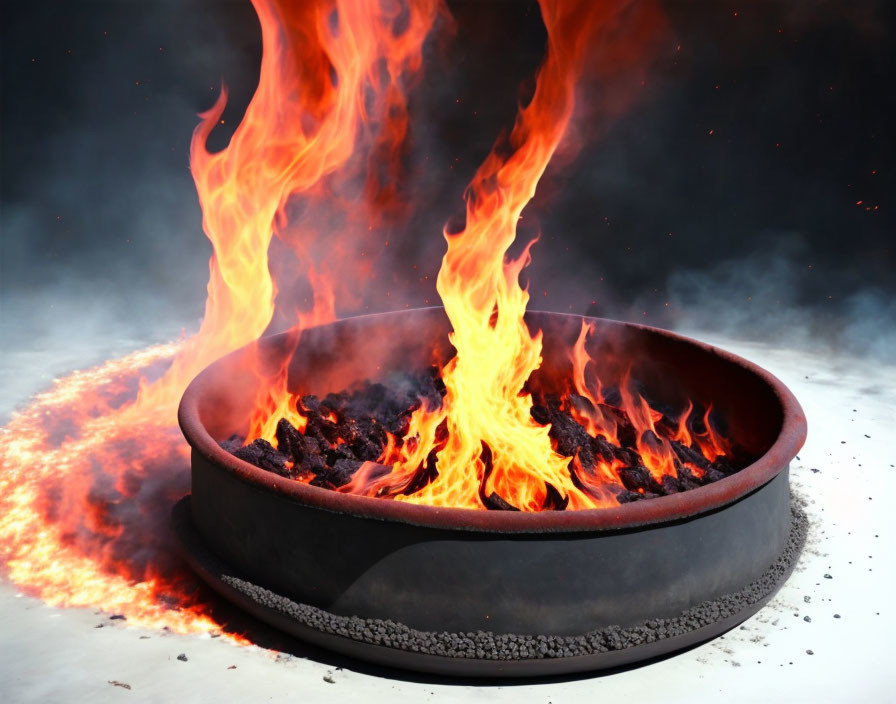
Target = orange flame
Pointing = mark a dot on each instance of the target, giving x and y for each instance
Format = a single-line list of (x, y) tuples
[(493, 444), (90, 471), (92, 467)]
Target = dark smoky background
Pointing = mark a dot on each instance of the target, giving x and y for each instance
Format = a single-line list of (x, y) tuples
[(742, 192)]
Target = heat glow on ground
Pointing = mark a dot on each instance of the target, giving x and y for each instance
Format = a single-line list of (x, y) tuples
[(89, 476)]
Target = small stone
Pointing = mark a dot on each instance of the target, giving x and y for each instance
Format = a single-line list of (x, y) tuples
[(827, 576), (810, 652), (329, 678), (182, 657)]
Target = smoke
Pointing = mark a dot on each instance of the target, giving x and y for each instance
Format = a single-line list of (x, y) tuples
[(745, 193), (102, 249), (740, 132), (761, 297), (742, 192)]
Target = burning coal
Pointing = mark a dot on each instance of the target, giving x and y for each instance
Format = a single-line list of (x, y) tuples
[(370, 442), (92, 466)]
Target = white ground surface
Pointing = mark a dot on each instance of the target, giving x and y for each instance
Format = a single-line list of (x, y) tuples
[(820, 640)]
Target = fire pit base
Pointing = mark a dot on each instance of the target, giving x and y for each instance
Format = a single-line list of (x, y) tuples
[(485, 654)]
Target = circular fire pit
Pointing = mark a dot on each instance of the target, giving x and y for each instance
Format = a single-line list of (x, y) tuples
[(469, 592)]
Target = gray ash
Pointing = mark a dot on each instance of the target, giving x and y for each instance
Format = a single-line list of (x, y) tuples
[(346, 429), (483, 645)]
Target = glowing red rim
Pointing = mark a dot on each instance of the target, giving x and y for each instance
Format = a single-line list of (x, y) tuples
[(631, 515)]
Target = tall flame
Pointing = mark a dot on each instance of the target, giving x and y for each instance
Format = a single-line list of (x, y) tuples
[(91, 467), (89, 471), (493, 444), (322, 99)]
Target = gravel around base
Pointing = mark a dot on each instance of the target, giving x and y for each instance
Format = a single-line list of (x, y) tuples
[(485, 645)]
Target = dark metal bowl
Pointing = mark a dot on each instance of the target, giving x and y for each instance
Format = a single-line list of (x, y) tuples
[(460, 570)]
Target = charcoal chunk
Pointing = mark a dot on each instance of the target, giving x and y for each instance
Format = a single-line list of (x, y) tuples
[(265, 456), (323, 429), (426, 473), (670, 484), (602, 449), (313, 464), (493, 502), (723, 464), (687, 479), (310, 403), (341, 474), (712, 475), (586, 458), (667, 427), (400, 425), (627, 434), (627, 456), (366, 450), (313, 446), (290, 441), (553, 501), (540, 414), (233, 443), (689, 454), (568, 435), (625, 431), (339, 452), (625, 496), (635, 478), (335, 402)]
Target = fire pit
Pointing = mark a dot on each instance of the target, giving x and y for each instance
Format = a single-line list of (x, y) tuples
[(468, 592)]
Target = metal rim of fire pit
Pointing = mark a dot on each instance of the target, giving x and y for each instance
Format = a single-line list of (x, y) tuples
[(631, 515), (282, 545)]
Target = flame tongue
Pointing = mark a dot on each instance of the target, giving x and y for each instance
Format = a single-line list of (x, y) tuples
[(321, 105), (83, 470), (480, 289), (82, 475)]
